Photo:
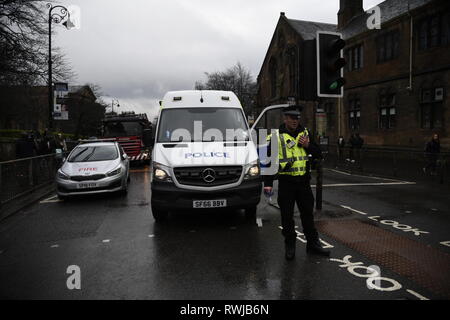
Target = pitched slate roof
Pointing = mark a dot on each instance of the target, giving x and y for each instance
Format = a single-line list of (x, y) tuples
[(390, 9), (308, 29)]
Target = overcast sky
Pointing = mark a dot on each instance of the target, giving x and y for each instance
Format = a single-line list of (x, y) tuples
[(137, 50)]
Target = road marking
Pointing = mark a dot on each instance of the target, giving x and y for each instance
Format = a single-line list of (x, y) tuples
[(445, 243), (408, 211), (357, 211), (371, 177), (233, 228), (433, 209), (49, 200), (106, 240), (392, 223), (55, 246), (151, 235), (259, 222), (417, 295), (364, 184), (301, 237), (192, 231)]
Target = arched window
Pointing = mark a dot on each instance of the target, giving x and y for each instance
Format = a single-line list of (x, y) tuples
[(292, 57), (273, 77)]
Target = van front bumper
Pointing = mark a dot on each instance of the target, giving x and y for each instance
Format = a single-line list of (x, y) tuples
[(167, 196)]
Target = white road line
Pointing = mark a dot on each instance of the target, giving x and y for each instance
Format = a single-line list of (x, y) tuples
[(106, 240), (301, 237), (365, 184), (151, 235), (417, 295), (371, 177), (233, 228), (357, 211), (55, 246), (51, 201), (445, 243), (52, 197), (259, 222)]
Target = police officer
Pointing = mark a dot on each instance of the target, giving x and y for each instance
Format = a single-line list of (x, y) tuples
[(294, 148)]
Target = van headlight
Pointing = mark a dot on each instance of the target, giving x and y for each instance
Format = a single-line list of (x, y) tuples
[(114, 172), (62, 175), (252, 170), (161, 172)]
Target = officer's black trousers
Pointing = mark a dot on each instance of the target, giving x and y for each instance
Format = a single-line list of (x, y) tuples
[(290, 193)]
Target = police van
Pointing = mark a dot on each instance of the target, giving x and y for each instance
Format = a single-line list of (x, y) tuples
[(203, 156)]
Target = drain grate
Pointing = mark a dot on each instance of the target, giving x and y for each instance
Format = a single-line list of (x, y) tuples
[(420, 263)]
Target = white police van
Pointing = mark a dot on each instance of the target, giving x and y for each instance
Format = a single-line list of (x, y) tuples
[(203, 156)]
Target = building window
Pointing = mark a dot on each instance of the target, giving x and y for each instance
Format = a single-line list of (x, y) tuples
[(273, 77), (355, 57), (431, 111), (434, 31), (387, 46), (387, 113), (292, 54), (354, 113)]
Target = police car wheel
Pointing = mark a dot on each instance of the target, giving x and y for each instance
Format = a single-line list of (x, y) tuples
[(250, 213), (159, 215)]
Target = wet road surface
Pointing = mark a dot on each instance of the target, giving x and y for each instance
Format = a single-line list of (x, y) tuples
[(122, 254)]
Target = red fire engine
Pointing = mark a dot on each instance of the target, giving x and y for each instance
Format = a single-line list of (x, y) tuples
[(132, 131)]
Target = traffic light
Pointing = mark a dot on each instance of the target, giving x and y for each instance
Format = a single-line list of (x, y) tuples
[(330, 64)]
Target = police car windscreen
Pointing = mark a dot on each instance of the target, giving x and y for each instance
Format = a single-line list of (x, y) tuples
[(97, 153), (202, 124), (122, 129)]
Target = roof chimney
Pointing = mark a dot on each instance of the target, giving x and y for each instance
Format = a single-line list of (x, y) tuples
[(348, 9)]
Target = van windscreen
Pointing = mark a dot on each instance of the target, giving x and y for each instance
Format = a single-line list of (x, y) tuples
[(202, 124)]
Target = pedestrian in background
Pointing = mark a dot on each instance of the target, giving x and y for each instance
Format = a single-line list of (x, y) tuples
[(432, 150), (294, 148)]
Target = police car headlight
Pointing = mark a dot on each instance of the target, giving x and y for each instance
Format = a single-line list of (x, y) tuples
[(114, 172), (62, 175), (252, 170), (160, 172)]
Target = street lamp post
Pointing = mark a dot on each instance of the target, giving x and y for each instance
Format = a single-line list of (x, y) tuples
[(55, 17), (112, 104)]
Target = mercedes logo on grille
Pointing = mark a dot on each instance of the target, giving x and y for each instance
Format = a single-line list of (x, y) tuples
[(209, 175)]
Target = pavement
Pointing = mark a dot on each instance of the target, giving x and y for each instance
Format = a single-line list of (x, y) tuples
[(119, 252)]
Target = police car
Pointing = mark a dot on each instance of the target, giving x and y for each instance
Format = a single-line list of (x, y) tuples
[(94, 167), (203, 155)]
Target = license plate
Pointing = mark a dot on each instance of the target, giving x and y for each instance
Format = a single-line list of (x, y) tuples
[(209, 203), (87, 185)]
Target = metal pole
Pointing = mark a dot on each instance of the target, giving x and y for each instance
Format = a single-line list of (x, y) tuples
[(50, 87)]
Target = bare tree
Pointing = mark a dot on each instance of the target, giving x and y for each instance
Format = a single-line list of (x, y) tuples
[(24, 45), (237, 79)]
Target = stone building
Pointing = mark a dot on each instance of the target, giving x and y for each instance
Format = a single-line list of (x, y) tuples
[(397, 76)]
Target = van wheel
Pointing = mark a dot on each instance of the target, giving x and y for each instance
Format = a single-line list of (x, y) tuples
[(250, 213), (159, 215)]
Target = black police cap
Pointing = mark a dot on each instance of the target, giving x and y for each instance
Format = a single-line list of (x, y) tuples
[(292, 110)]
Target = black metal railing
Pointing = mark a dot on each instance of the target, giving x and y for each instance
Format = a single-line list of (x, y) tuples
[(390, 162), (22, 176)]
